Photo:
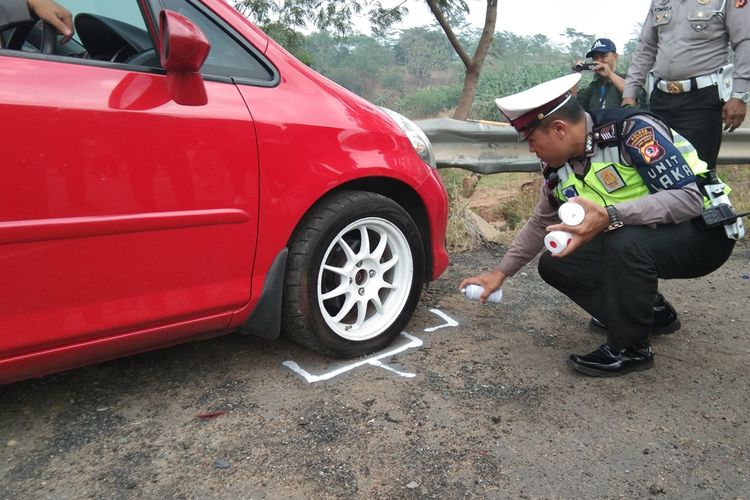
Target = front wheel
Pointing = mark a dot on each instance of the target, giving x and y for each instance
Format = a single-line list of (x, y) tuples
[(354, 275)]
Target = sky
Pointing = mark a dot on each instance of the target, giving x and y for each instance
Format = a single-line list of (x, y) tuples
[(618, 20)]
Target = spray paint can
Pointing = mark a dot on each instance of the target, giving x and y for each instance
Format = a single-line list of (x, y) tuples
[(473, 292), (571, 214)]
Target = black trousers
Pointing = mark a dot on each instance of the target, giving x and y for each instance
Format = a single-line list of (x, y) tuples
[(614, 277), (696, 115)]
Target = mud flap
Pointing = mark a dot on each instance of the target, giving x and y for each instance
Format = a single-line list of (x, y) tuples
[(265, 320)]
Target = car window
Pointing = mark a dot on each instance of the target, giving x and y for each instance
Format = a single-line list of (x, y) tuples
[(229, 55), (126, 11), (115, 31), (105, 30), (112, 30)]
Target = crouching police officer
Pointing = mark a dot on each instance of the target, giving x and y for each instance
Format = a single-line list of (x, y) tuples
[(637, 182)]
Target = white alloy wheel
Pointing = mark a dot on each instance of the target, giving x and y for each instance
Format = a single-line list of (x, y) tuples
[(354, 274), (365, 279)]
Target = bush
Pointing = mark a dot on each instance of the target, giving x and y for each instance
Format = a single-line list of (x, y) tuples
[(429, 102)]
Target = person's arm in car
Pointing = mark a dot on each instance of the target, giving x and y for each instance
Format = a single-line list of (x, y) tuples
[(55, 14), (16, 11)]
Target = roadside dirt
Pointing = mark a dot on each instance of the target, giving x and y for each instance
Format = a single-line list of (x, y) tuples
[(492, 410)]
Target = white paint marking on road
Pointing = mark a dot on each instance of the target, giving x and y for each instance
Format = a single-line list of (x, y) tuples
[(448, 321), (373, 361)]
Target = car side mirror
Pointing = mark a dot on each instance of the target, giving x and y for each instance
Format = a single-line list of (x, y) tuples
[(184, 49)]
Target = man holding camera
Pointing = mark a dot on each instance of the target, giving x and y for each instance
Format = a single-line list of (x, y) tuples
[(605, 90)]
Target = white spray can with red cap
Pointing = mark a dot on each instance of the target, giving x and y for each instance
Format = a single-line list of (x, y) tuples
[(571, 214)]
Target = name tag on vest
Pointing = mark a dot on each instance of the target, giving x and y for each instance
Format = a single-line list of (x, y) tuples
[(610, 178)]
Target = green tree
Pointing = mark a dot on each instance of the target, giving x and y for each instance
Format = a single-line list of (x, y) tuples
[(359, 62), (512, 51), (421, 51), (630, 47), (579, 43), (336, 15), (445, 12), (292, 40), (326, 52), (362, 65)]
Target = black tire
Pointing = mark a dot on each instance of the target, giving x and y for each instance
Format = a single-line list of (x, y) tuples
[(335, 312)]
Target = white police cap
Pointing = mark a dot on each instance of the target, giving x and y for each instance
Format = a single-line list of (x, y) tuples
[(527, 109)]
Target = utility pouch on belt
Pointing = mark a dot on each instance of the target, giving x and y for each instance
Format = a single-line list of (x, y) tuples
[(724, 81), (720, 211), (719, 215)]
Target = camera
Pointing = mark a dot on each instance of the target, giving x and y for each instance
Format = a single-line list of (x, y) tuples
[(584, 66)]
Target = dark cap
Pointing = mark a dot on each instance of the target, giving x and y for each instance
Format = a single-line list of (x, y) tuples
[(602, 45)]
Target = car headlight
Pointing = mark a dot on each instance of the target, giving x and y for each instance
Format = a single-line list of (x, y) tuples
[(416, 135)]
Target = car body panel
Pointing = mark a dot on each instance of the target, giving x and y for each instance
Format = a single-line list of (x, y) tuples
[(129, 222), (98, 218)]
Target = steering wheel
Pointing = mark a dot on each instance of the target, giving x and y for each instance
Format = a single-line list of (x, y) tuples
[(47, 39), (123, 53)]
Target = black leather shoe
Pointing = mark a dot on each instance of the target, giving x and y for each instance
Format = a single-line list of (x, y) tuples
[(665, 318), (604, 362)]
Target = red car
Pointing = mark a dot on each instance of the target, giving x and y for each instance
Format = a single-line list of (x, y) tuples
[(172, 173)]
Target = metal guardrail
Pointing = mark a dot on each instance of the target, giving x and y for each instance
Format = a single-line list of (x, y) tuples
[(490, 147)]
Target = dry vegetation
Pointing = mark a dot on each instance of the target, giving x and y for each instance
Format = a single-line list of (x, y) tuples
[(462, 234)]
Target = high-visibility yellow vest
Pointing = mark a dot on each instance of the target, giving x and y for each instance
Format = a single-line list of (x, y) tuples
[(607, 181)]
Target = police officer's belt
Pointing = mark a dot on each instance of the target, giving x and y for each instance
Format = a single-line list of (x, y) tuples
[(682, 86)]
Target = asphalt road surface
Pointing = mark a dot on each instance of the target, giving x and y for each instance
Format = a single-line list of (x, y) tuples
[(471, 402)]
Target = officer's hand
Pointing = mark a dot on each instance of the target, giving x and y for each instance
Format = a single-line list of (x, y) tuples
[(57, 15), (594, 222), (733, 114), (490, 281), (628, 101)]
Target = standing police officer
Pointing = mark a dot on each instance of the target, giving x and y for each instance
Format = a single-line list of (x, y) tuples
[(636, 181), (686, 42)]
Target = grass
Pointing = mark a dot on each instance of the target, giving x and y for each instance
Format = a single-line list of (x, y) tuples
[(462, 233), (517, 194), (738, 178)]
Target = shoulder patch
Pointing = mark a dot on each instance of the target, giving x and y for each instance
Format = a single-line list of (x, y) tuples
[(610, 178), (644, 140)]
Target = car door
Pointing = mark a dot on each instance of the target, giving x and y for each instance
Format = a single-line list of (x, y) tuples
[(121, 210)]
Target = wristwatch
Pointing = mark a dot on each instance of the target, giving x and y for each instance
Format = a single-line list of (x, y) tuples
[(614, 219), (742, 96)]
